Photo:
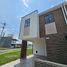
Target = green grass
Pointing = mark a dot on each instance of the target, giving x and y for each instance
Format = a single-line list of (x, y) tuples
[(29, 51), (11, 56)]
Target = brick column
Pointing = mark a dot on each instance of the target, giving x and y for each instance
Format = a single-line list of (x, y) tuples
[(23, 49)]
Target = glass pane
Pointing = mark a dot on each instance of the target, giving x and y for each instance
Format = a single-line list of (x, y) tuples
[(47, 20), (51, 18), (27, 23)]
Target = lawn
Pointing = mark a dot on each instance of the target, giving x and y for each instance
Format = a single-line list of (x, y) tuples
[(11, 56)]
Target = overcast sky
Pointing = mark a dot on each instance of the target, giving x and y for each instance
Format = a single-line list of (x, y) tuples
[(12, 10)]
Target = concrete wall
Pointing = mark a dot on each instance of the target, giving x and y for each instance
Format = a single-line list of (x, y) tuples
[(39, 45)]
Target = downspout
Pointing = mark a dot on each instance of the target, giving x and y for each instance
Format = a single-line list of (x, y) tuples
[(64, 11)]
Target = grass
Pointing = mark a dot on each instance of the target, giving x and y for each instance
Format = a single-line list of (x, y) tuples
[(11, 56), (29, 51)]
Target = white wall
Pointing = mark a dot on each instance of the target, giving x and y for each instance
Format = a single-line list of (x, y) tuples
[(50, 28), (34, 26), (40, 46)]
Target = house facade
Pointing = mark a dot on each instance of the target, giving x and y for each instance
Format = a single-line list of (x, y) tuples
[(48, 33)]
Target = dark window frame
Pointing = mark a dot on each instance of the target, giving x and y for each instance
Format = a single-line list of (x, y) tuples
[(49, 18), (27, 22)]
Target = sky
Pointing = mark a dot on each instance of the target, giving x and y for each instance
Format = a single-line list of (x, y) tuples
[(11, 12)]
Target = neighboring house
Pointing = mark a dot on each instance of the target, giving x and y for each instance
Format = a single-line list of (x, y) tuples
[(29, 46), (5, 42), (48, 33), (13, 43), (8, 42)]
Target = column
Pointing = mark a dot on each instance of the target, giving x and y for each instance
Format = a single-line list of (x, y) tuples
[(23, 49)]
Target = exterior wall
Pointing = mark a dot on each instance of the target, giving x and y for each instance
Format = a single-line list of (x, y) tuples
[(33, 30), (59, 21), (59, 26), (26, 31), (39, 45), (41, 26), (55, 42), (57, 48)]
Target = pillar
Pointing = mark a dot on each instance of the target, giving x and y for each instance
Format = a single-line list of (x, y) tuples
[(23, 49)]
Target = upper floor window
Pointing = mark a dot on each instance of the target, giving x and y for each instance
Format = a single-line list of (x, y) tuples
[(49, 18), (27, 23)]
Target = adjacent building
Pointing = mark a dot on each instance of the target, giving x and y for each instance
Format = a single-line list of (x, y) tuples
[(48, 33), (8, 42), (5, 42)]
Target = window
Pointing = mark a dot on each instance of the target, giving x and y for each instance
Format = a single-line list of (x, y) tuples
[(27, 23), (49, 18)]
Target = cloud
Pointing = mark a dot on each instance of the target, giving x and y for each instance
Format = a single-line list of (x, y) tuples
[(25, 2)]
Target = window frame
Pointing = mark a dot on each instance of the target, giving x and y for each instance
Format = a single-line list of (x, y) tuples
[(49, 18), (27, 22)]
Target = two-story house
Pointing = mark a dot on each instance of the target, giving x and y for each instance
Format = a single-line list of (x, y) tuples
[(48, 33)]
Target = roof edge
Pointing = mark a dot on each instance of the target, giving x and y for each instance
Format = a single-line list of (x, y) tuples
[(30, 13), (53, 8)]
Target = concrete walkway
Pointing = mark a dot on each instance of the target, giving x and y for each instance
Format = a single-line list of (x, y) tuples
[(29, 62)]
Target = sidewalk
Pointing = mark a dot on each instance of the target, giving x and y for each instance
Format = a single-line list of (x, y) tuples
[(29, 62), (8, 50)]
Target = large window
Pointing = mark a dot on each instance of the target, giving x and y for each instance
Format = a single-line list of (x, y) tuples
[(49, 18), (27, 23)]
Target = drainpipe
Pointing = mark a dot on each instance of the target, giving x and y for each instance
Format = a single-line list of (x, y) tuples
[(64, 12)]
